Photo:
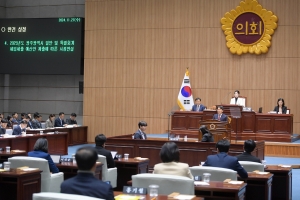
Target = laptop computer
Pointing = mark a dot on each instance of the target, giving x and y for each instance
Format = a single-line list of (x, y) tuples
[(55, 158)]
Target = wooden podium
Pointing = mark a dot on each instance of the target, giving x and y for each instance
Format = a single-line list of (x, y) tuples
[(219, 129)]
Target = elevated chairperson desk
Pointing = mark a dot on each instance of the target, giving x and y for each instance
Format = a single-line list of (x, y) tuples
[(282, 182), (19, 185), (258, 126), (76, 135), (129, 167), (70, 169), (191, 152), (258, 186), (218, 190), (57, 143)]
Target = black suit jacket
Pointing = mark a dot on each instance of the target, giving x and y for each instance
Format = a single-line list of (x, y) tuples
[(109, 159), (86, 184), (284, 109), (2, 130), (18, 131), (30, 125), (223, 117), (207, 138), (248, 157), (70, 121), (36, 124), (57, 122), (138, 135)]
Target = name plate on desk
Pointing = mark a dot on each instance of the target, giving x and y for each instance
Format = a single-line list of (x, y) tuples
[(134, 190)]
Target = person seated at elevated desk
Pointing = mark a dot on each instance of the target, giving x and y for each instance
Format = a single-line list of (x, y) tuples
[(36, 123), (280, 108), (72, 119), (220, 116), (3, 125), (222, 159), (140, 134), (40, 150), (198, 106), (100, 144), (169, 155), (206, 134), (20, 128), (236, 100), (59, 122), (249, 146)]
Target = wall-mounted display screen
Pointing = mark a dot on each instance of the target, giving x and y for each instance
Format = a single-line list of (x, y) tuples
[(42, 46)]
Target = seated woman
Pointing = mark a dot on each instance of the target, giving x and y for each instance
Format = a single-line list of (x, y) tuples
[(50, 122), (169, 155), (40, 150), (280, 108), (206, 134)]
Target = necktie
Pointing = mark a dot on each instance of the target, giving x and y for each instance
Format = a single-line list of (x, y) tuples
[(219, 117), (143, 135), (198, 108)]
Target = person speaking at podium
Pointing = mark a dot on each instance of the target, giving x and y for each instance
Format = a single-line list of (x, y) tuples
[(220, 116), (280, 108), (236, 100), (198, 106)]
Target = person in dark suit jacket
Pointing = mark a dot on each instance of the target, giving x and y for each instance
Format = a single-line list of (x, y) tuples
[(140, 134), (249, 146), (3, 126), (15, 118), (59, 122), (280, 108), (20, 128), (222, 159), (40, 150), (72, 119), (36, 123), (220, 116), (198, 106), (85, 183), (29, 123), (100, 144), (206, 134)]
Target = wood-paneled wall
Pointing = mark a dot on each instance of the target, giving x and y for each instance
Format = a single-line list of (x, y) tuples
[(136, 53)]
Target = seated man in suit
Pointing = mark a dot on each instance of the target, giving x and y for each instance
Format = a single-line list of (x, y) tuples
[(140, 134), (20, 128), (3, 125), (100, 144), (249, 146), (15, 118), (36, 123), (59, 122), (29, 122), (220, 116), (85, 183), (198, 106), (72, 119), (222, 159)]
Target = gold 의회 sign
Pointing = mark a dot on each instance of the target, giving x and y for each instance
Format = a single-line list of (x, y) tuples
[(249, 28)]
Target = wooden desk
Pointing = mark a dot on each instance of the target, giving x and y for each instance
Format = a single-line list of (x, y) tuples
[(19, 185), (218, 190), (70, 169), (76, 135), (282, 182), (57, 143), (191, 152), (127, 168), (251, 125), (258, 186), (160, 197), (4, 155)]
